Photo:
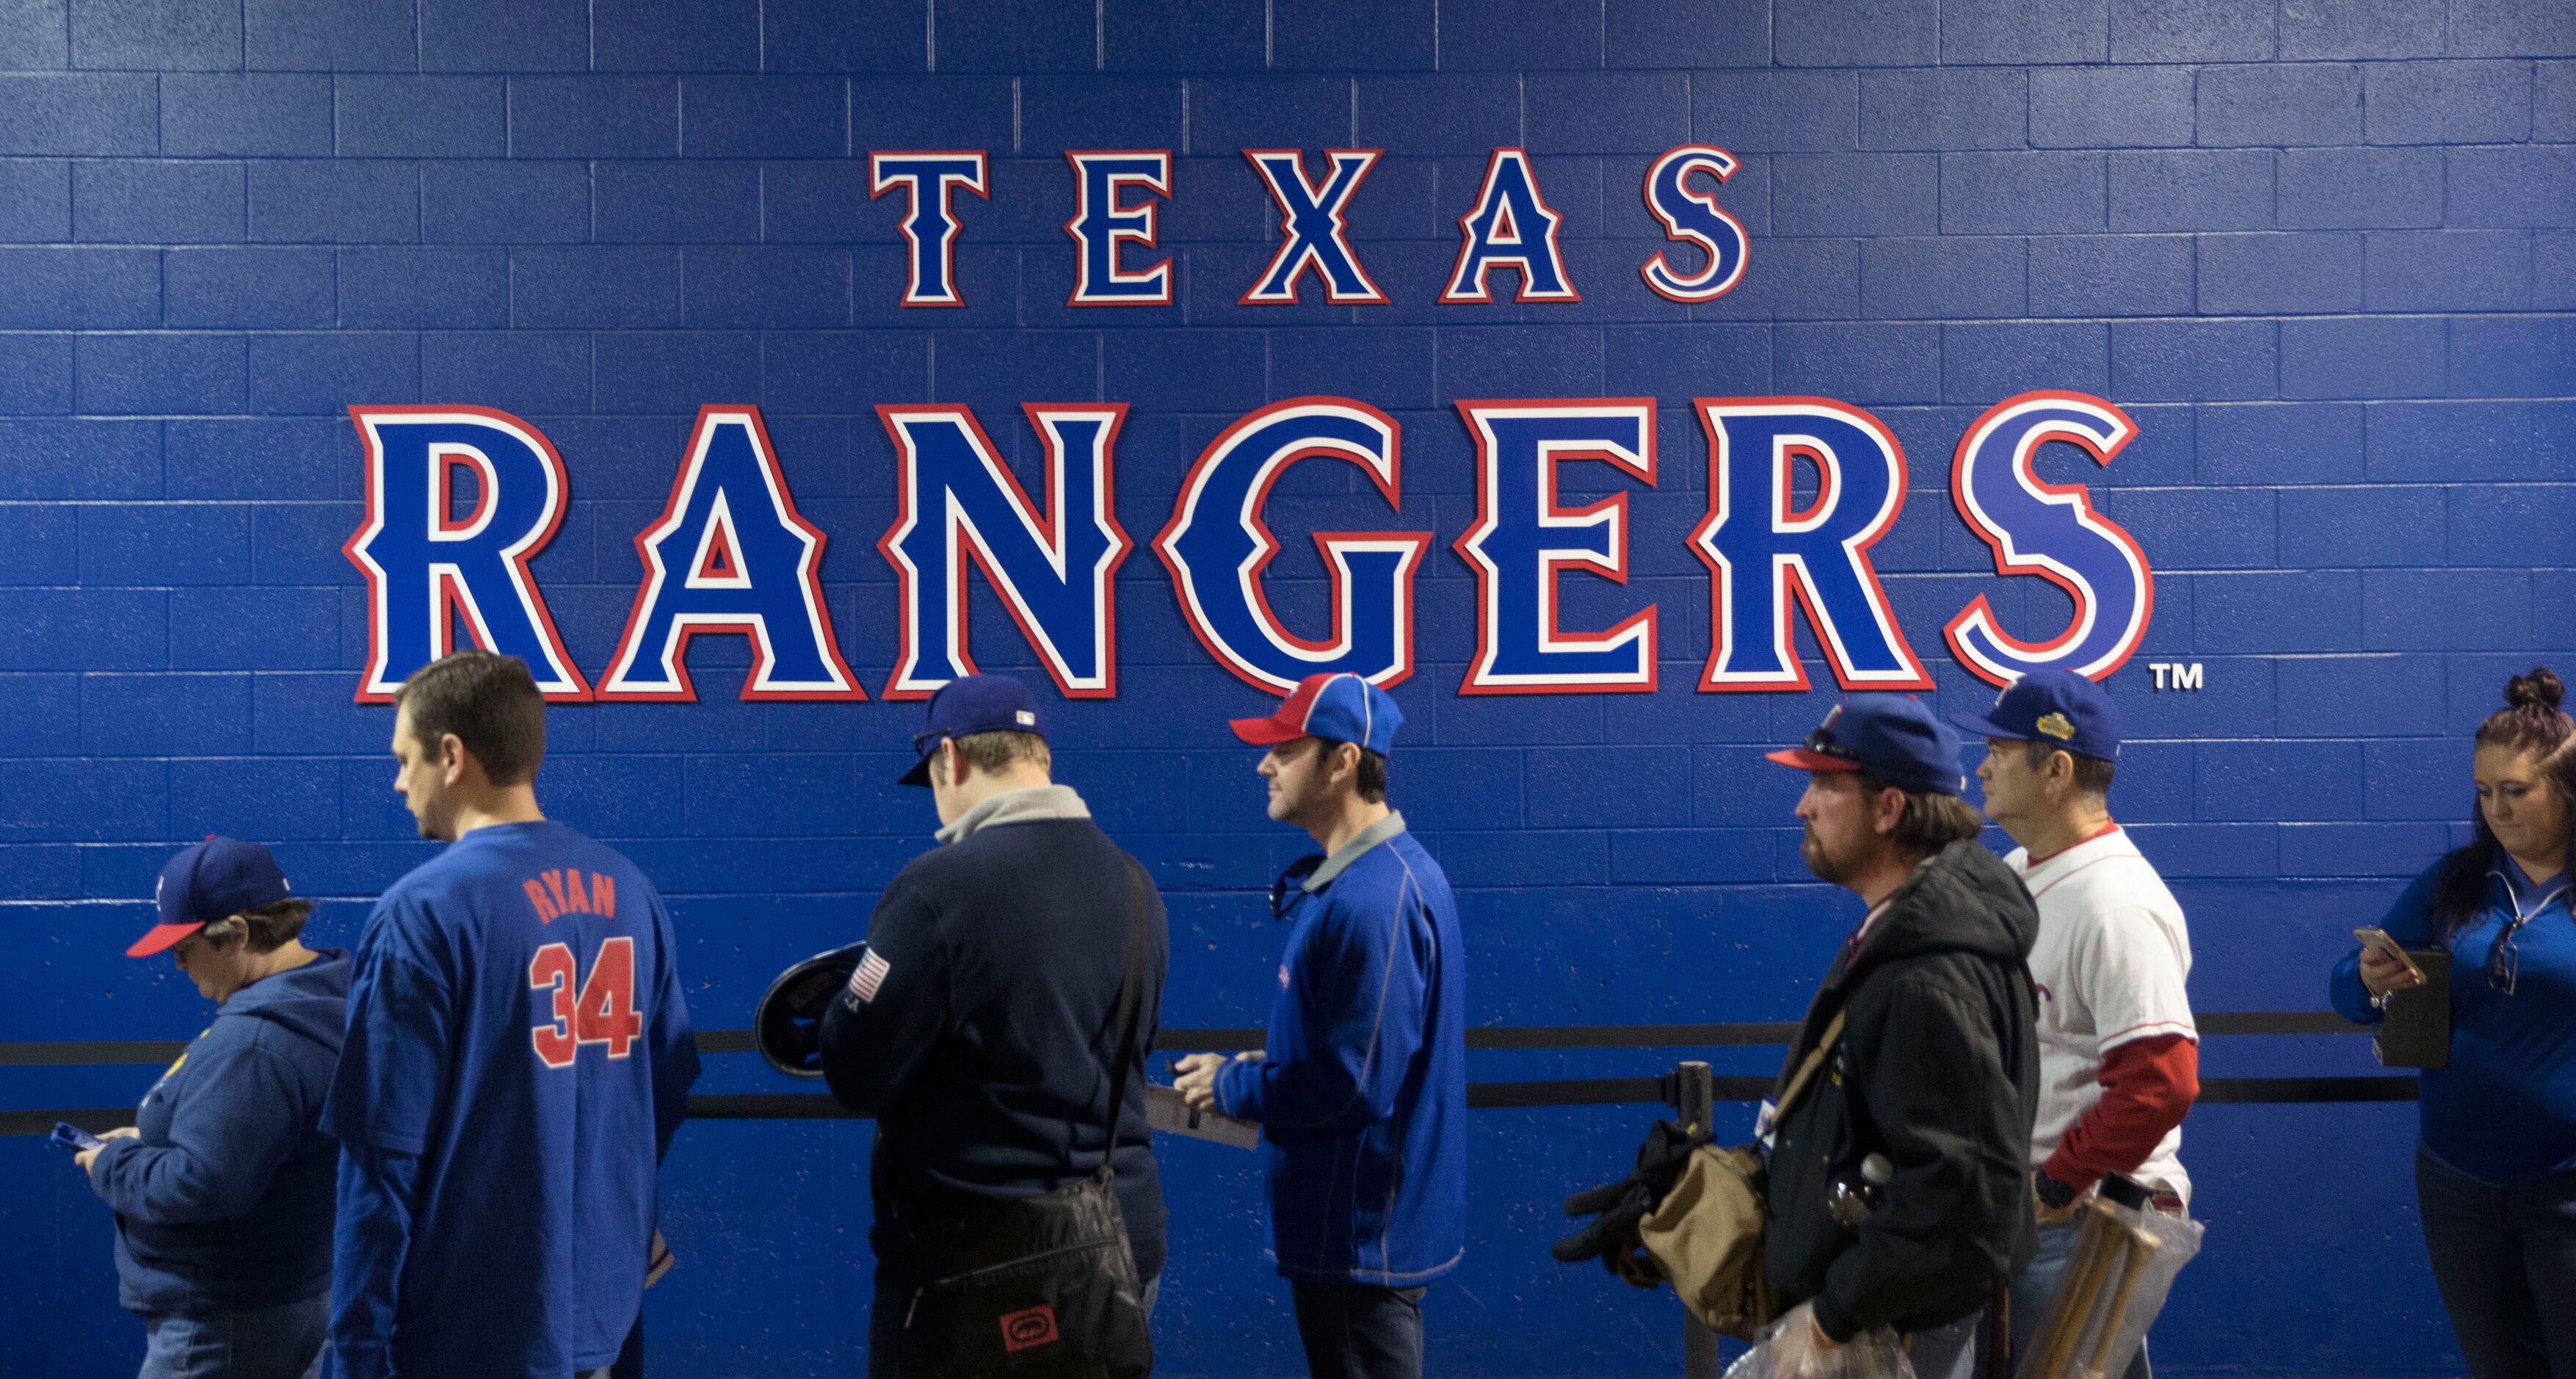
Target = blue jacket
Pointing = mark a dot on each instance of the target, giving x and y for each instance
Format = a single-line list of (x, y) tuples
[(223, 1199), (2504, 1111), (1362, 1089)]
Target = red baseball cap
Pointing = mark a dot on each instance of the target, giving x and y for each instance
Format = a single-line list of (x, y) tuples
[(1340, 706), (206, 882)]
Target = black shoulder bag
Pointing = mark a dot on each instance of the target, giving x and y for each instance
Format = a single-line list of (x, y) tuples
[(1046, 1286)]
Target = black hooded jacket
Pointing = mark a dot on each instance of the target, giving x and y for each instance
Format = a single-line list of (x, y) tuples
[(1938, 1069)]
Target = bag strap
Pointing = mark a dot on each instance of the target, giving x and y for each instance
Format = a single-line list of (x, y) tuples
[(1131, 1000), (1807, 1070)]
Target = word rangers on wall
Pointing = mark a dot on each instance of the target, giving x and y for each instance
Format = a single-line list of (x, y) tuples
[(730, 553)]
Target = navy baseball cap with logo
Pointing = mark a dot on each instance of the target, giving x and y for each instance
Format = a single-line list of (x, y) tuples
[(2058, 707), (1340, 706), (973, 704), (206, 882), (1891, 736)]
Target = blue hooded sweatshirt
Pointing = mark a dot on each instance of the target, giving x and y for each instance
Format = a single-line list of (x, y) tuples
[(1362, 1092), (223, 1199)]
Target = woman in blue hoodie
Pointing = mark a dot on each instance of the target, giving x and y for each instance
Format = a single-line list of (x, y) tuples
[(223, 1185)]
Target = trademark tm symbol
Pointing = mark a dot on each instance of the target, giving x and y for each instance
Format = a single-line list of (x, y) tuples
[(2176, 675)]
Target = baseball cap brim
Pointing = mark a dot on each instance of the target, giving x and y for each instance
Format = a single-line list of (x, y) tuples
[(920, 772), (1805, 760), (1983, 728), (162, 938), (1265, 732)]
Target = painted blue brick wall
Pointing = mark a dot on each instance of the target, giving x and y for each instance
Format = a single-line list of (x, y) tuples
[(2326, 256)]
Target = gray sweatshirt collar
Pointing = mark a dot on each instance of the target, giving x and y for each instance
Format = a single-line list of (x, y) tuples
[(1018, 807), (1349, 852)]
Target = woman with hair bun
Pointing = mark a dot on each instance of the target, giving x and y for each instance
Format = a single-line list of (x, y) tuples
[(2495, 1168)]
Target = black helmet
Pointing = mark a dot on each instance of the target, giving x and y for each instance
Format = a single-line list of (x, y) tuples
[(788, 1024)]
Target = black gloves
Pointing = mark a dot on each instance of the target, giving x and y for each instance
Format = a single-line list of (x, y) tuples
[(1617, 1208)]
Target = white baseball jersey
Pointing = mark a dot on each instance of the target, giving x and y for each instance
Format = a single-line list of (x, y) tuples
[(2110, 962)]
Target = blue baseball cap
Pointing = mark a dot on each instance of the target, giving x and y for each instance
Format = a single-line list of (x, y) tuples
[(2058, 707), (206, 882), (974, 704), (1341, 706), (1891, 736)]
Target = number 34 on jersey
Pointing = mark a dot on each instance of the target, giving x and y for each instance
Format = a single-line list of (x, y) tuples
[(599, 1009)]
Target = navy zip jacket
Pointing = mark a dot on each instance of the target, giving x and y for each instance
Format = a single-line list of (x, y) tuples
[(978, 1029), (223, 1199), (1362, 1088)]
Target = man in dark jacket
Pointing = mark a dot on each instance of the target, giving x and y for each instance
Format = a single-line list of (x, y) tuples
[(1936, 1068), (222, 1186), (976, 1028)]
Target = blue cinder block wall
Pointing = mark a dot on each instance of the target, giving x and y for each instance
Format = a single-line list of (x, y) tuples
[(2324, 254)]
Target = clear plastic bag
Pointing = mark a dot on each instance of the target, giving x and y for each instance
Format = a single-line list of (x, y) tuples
[(1788, 1349), (2116, 1285)]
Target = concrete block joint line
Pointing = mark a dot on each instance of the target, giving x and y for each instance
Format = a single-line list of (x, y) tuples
[(1497, 318)]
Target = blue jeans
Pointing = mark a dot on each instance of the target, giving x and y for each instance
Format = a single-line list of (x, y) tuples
[(1359, 1330), (2505, 1258), (262, 1343), (2035, 1290)]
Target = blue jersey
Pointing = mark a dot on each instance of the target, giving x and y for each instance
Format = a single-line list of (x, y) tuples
[(518, 1055)]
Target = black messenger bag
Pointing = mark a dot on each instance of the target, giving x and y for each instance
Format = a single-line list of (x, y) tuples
[(1045, 1286)]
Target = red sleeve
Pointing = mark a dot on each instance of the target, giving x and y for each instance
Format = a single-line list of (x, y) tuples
[(2147, 1088)]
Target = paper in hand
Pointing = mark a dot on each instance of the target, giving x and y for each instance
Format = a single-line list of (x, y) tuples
[(1167, 1110)]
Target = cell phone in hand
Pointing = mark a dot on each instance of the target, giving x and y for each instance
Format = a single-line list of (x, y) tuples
[(2378, 938), (73, 1138)]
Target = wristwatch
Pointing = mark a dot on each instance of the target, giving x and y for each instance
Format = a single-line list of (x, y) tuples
[(2054, 1195), (2379, 1000)]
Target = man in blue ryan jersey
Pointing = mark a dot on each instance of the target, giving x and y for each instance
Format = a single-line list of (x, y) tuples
[(518, 1056), (1361, 1091)]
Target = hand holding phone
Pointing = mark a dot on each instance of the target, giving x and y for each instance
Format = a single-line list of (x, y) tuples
[(73, 1138), (2374, 938)]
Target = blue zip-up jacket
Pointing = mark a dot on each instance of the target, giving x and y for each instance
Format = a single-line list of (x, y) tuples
[(223, 1197), (2504, 1111), (1362, 1089)]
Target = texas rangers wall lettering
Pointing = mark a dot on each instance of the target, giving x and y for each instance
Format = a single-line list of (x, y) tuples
[(2051, 531), (1217, 545), (428, 569), (956, 501), (1523, 544), (1764, 554), (930, 227), (744, 562), (730, 553)]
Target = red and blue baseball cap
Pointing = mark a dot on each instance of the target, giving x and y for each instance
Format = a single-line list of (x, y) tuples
[(206, 882), (2058, 707), (973, 704), (1340, 706), (1892, 736)]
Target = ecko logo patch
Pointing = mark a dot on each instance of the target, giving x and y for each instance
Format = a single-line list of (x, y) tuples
[(1028, 1328)]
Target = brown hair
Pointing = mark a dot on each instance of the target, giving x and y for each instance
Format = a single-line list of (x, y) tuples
[(269, 927), (492, 705), (1370, 779), (995, 751), (2092, 774), (2530, 722), (1932, 821)]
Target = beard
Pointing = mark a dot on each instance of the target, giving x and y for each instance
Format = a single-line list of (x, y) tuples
[(1827, 867)]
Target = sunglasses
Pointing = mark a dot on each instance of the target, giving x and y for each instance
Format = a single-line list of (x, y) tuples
[(2504, 957), (1822, 740), (926, 739)]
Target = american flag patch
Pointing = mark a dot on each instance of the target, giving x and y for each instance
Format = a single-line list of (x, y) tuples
[(870, 975)]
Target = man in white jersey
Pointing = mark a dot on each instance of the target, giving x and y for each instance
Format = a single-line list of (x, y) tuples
[(2119, 1057)]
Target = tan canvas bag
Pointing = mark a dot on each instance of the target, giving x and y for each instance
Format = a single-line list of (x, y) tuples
[(1707, 1232)]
